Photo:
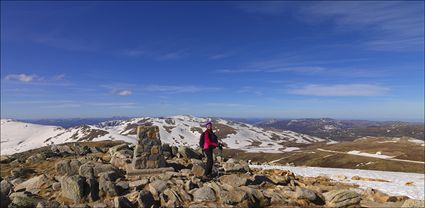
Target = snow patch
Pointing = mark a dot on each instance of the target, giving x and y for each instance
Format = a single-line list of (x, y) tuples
[(329, 127), (376, 155), (395, 187), (391, 141), (290, 149), (332, 142), (364, 164), (417, 141)]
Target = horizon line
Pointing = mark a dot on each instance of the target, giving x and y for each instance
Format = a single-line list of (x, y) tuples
[(410, 120)]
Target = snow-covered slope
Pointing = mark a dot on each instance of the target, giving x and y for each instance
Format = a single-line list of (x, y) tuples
[(177, 130), (19, 136), (186, 130), (396, 183)]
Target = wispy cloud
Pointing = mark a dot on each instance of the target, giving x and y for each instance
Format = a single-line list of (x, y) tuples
[(64, 105), (22, 77), (155, 54), (115, 105), (253, 90), (34, 79), (126, 106), (51, 103), (229, 105), (59, 77), (383, 25), (394, 44), (266, 69), (389, 25), (221, 55), (123, 92), (120, 89), (262, 7), (340, 90), (132, 52), (111, 103), (300, 62), (123, 105), (65, 43), (171, 55), (39, 102), (177, 88), (22, 91), (75, 104)]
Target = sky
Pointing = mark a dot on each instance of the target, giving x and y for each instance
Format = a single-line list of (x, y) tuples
[(344, 60)]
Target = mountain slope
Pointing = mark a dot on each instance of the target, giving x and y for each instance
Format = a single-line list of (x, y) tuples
[(19, 136), (177, 130), (185, 130)]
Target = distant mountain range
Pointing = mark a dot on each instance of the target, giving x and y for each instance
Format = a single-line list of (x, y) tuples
[(327, 128), (17, 136), (71, 122), (341, 130)]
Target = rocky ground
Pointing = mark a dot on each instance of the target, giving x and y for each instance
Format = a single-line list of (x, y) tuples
[(98, 174)]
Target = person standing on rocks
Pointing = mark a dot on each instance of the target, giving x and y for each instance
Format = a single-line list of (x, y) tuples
[(208, 142)]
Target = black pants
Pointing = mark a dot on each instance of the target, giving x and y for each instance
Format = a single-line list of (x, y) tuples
[(210, 161)]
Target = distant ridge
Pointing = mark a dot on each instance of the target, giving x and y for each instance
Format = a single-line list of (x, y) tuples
[(17, 136)]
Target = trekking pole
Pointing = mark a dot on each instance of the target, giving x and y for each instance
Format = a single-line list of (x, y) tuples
[(220, 148)]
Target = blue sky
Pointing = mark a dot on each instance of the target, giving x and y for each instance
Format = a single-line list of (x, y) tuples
[(351, 60)]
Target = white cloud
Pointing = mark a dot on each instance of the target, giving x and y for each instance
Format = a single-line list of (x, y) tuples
[(119, 89), (59, 77), (21, 77), (33, 79), (177, 88), (124, 92), (340, 90)]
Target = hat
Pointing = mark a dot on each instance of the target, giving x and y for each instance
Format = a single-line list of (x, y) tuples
[(209, 122)]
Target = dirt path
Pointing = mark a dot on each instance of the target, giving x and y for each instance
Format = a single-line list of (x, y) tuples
[(393, 159), (275, 161)]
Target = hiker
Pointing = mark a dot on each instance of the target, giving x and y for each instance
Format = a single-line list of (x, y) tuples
[(208, 142)]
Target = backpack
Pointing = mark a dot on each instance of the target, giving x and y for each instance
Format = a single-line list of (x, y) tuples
[(202, 140), (213, 138)]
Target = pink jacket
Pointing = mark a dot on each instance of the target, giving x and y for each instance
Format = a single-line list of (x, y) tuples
[(207, 141)]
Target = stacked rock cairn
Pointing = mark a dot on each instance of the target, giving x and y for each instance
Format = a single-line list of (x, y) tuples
[(148, 151)]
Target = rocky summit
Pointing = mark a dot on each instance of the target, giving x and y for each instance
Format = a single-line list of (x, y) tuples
[(104, 174)]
